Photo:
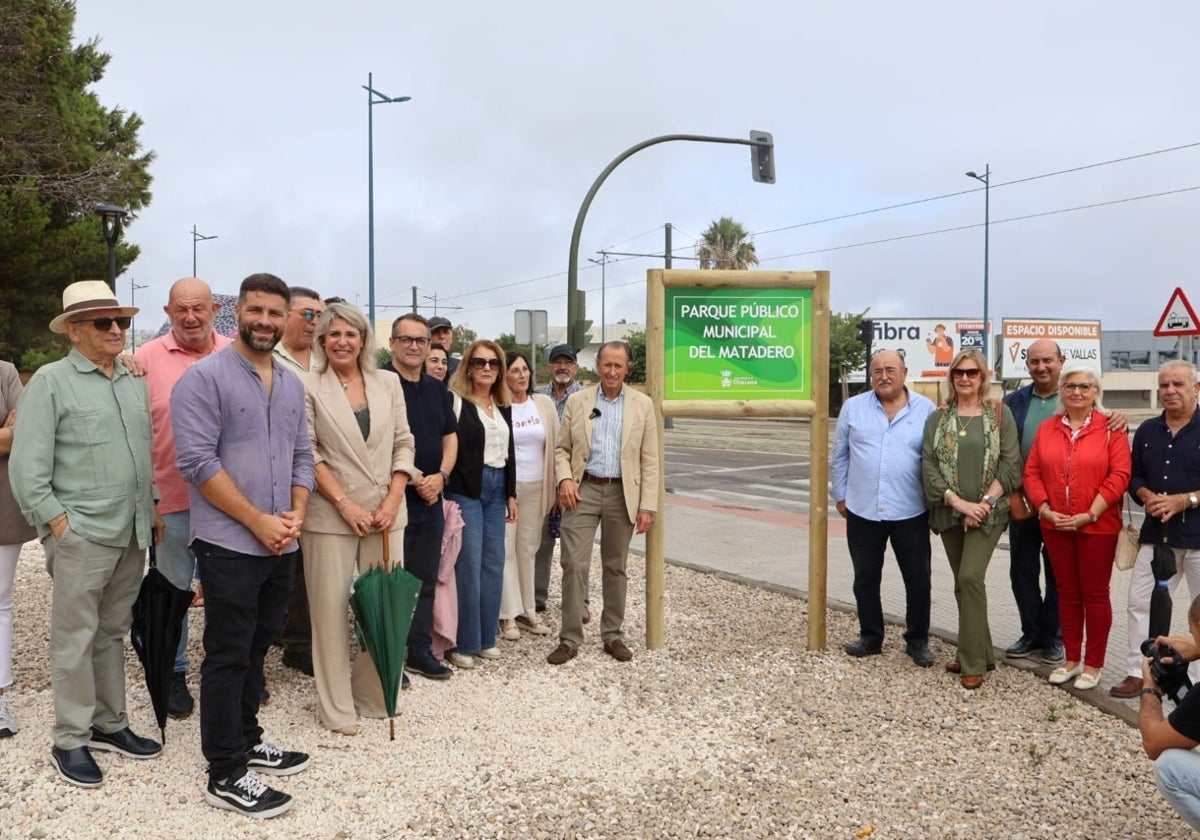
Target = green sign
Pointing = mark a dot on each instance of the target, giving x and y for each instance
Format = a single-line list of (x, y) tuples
[(738, 344)]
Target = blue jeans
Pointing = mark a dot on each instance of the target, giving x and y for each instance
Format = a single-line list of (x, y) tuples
[(1177, 774), (178, 565), (479, 573)]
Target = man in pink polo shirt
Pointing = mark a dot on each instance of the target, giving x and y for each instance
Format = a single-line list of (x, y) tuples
[(192, 311)]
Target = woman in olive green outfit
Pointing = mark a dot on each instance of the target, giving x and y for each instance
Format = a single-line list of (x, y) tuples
[(971, 460)]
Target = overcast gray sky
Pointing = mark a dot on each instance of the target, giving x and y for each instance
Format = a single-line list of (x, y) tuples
[(258, 118)]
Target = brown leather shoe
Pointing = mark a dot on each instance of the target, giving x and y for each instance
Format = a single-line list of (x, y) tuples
[(952, 667), (1127, 688), (563, 653), (972, 681), (617, 650)]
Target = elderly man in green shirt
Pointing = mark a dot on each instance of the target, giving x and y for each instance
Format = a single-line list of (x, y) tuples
[(82, 475)]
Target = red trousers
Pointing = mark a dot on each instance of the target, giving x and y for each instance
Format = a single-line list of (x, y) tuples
[(1082, 566)]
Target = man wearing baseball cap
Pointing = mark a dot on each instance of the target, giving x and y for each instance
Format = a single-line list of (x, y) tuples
[(441, 331), (83, 477)]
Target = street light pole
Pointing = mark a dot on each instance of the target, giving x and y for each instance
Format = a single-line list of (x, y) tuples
[(111, 220), (603, 263), (985, 178), (374, 98), (761, 145), (133, 287), (198, 237)]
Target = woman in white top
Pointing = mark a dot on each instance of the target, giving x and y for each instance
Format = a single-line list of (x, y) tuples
[(535, 431)]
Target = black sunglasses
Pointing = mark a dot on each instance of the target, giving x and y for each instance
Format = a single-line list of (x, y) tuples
[(105, 324), (477, 362), (969, 373)]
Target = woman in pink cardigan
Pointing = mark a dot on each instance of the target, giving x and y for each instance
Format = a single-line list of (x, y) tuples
[(1075, 477)]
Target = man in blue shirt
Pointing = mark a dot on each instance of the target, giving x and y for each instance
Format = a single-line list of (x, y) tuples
[(876, 469)]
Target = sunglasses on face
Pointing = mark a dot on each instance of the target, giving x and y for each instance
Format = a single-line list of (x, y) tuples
[(105, 324), (479, 363), (307, 314), (406, 340), (969, 373)]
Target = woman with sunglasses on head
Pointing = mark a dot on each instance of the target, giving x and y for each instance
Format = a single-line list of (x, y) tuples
[(535, 430), (971, 461), (1075, 477), (484, 485), (437, 363)]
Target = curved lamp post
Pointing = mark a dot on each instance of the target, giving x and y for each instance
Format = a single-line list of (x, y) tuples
[(112, 219), (983, 179), (374, 98), (762, 169)]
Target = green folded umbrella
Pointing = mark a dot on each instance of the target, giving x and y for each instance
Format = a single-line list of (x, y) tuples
[(383, 603)]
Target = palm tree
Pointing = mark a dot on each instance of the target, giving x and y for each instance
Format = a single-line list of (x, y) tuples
[(726, 245)]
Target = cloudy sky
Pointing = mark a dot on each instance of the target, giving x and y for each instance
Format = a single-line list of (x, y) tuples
[(258, 116)]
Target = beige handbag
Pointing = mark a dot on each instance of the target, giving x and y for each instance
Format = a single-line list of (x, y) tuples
[(1127, 542)]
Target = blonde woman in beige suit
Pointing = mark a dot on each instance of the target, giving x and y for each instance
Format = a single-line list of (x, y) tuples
[(535, 430), (363, 455)]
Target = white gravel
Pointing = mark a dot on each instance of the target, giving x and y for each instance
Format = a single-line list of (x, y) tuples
[(733, 730)]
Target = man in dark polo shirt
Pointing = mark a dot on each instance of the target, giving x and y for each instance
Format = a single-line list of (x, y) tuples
[(434, 427)]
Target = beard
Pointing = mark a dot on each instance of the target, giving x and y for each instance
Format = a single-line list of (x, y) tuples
[(246, 333), (563, 378)]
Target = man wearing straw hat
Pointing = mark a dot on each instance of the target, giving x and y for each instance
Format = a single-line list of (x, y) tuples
[(82, 475)]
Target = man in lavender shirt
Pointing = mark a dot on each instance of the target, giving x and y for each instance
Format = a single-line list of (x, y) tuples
[(241, 442)]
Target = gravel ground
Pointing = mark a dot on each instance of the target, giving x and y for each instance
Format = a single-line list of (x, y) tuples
[(733, 730)]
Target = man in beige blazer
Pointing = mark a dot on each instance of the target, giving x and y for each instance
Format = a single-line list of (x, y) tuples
[(606, 465)]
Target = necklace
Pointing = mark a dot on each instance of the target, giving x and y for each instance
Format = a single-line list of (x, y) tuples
[(962, 430), (348, 382)]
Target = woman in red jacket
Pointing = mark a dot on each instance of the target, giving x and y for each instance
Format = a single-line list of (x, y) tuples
[(1075, 476)]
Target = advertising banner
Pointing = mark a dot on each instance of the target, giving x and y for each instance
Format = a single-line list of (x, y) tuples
[(738, 344), (1078, 339), (927, 344)]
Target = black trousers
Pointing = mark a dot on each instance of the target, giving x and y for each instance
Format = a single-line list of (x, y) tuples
[(867, 540), (296, 636), (1028, 558), (422, 557), (245, 598)]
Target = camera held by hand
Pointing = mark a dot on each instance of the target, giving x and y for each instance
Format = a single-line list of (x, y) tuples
[(1171, 677)]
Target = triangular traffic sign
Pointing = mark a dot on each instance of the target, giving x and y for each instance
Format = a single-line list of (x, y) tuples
[(1178, 318)]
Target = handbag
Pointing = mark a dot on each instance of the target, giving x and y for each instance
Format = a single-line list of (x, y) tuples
[(1019, 508), (1127, 543)]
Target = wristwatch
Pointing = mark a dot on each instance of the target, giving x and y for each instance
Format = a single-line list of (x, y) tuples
[(1193, 500), (988, 498), (1154, 691)]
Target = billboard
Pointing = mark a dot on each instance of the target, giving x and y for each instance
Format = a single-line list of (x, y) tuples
[(927, 344), (1079, 340)]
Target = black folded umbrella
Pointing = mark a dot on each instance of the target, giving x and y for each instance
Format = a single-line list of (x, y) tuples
[(157, 618), (1162, 564)]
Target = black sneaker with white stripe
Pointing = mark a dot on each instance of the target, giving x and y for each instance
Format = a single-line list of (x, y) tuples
[(267, 758), (247, 795)]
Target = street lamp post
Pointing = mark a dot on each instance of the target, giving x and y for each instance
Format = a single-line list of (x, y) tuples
[(198, 237), (133, 287), (984, 179), (112, 219), (374, 98), (603, 263)]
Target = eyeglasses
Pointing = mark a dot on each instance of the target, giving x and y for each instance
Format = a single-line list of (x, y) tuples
[(887, 371), (418, 340), (1082, 387), (105, 324), (479, 363), (307, 314), (969, 373)]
